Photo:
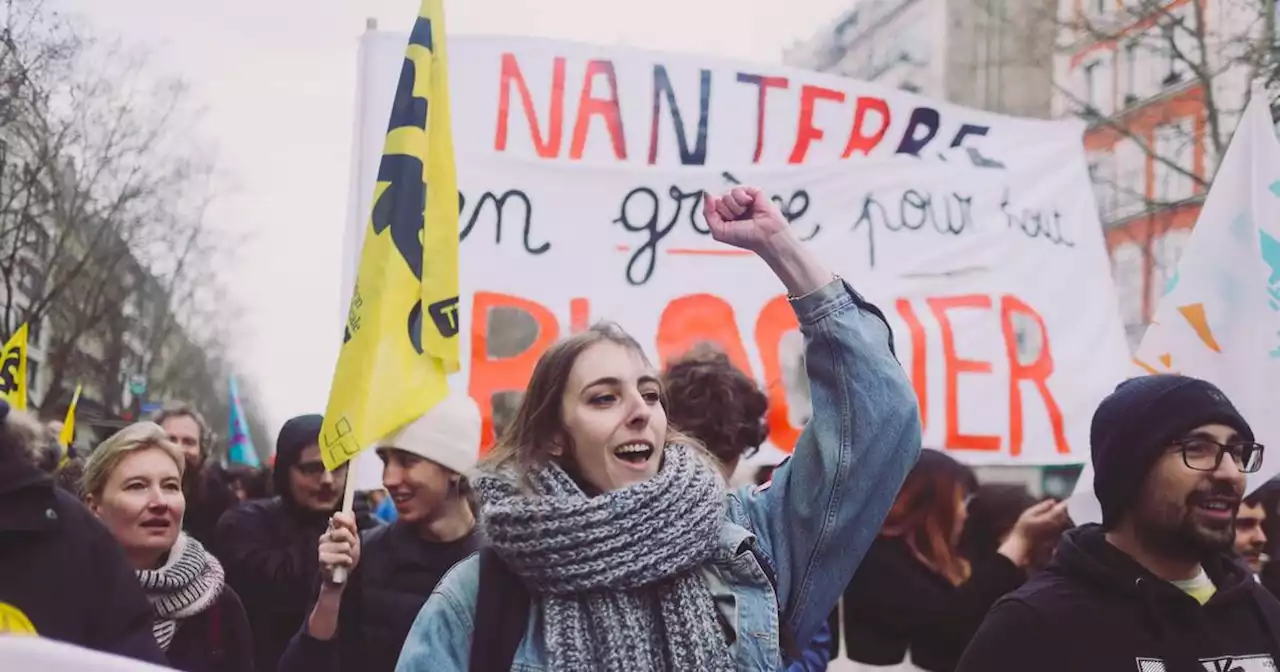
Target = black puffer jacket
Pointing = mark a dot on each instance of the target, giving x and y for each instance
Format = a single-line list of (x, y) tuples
[(268, 548), (1096, 608), (397, 572), (62, 574)]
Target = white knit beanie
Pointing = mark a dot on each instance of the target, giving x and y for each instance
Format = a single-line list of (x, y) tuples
[(448, 434)]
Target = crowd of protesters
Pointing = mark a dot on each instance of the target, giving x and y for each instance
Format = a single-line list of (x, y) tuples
[(599, 532)]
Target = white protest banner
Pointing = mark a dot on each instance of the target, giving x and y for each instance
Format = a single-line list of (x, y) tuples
[(995, 280), (1218, 317), (28, 652), (563, 102)]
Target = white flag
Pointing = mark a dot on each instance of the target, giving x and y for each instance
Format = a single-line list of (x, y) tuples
[(1219, 318)]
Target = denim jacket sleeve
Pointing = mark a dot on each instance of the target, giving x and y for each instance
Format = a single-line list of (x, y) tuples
[(827, 502)]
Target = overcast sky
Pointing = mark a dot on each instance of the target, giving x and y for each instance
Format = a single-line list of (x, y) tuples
[(277, 80)]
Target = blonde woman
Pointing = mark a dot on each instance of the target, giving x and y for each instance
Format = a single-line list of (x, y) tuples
[(133, 484)]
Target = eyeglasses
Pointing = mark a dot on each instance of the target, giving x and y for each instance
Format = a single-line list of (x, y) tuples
[(315, 468), (1206, 454)]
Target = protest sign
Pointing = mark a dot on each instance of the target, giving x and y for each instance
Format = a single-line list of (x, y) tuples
[(990, 263), (1218, 319), (40, 653)]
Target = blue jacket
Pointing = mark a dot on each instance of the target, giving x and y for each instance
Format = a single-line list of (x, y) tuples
[(816, 657), (815, 520)]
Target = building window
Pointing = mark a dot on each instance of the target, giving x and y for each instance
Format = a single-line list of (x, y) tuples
[(40, 241), (1130, 195), (1275, 18), (1175, 144), (1098, 84), (1129, 82), (33, 375), (1175, 70), (1091, 89), (1179, 44), (30, 280), (1129, 270), (1102, 170)]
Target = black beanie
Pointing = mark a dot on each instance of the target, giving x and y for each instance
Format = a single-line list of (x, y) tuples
[(297, 433), (1136, 422)]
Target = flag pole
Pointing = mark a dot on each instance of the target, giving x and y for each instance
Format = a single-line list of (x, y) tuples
[(348, 504)]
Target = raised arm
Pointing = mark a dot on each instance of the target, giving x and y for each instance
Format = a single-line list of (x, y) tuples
[(826, 504)]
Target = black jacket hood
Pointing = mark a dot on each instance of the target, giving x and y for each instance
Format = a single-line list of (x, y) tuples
[(295, 435), (1086, 554)]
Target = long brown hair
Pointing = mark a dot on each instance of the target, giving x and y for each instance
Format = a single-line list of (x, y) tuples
[(925, 512), (527, 442)]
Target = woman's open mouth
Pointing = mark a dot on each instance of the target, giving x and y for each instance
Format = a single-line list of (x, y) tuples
[(635, 454)]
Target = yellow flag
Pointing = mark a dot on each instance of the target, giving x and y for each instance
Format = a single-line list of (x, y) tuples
[(68, 433), (393, 363), (440, 232), (13, 370)]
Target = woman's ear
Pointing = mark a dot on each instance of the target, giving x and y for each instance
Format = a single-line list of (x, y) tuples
[(91, 503)]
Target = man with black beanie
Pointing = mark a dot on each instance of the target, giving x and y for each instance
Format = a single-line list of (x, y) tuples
[(1156, 587), (268, 546)]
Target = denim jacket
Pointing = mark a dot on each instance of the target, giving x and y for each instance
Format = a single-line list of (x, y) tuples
[(814, 520)]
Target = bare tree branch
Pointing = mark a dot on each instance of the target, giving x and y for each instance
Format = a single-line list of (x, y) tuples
[(104, 189)]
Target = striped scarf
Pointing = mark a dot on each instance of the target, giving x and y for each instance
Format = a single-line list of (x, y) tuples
[(188, 583)]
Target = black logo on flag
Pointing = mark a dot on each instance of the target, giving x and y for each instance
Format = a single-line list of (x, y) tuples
[(9, 372), (444, 314)]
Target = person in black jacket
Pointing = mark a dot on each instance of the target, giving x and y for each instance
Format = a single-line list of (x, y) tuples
[(133, 483), (269, 546), (62, 575), (205, 483), (1155, 587), (361, 624), (914, 591)]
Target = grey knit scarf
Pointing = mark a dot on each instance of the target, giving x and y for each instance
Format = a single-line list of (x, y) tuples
[(189, 582), (616, 574)]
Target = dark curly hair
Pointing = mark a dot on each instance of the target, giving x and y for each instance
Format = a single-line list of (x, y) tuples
[(713, 401)]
